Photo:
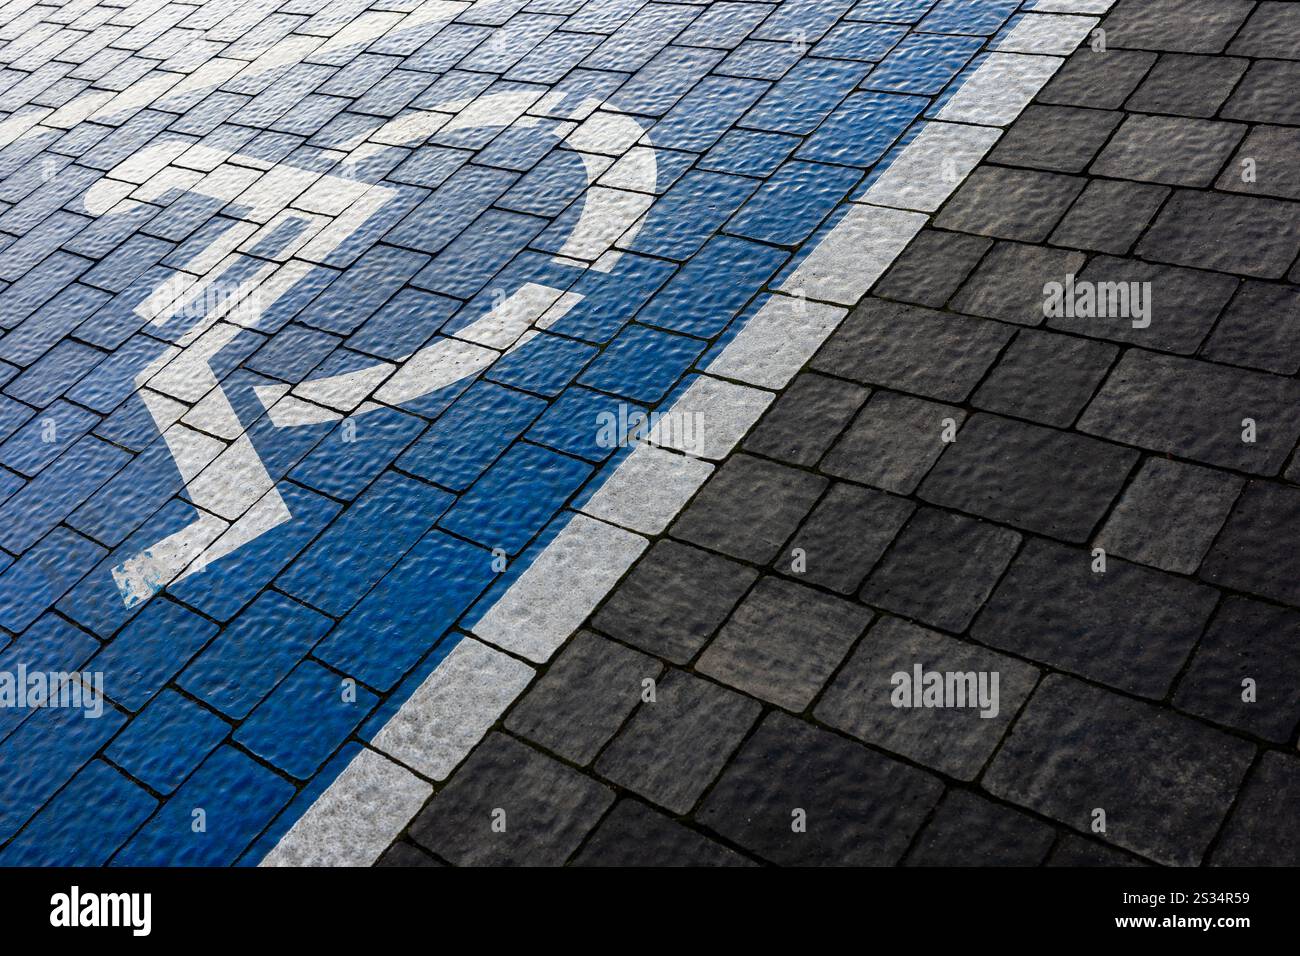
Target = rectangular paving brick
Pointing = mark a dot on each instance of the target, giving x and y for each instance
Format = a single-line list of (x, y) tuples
[(855, 806), (1255, 549), (749, 509), (583, 698), (912, 349), (633, 834), (941, 569), (511, 806), (1169, 515), (1256, 834), (957, 741), (1130, 627), (844, 536), (673, 600), (675, 744), (1243, 672), (1248, 235), (783, 642), (1197, 410), (1165, 782), (1045, 377), (892, 442), (1036, 478), (806, 419), (969, 830), (1178, 307)]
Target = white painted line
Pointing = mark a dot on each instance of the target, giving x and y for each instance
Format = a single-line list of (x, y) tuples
[(354, 820), (1073, 6), (1057, 34), (648, 488), (438, 725), (559, 589), (925, 174), (851, 255), (709, 418), (777, 341), (999, 89)]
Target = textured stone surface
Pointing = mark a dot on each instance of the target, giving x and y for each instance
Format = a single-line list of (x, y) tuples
[(783, 642), (859, 807), (1129, 626), (957, 741), (674, 745), (1169, 515), (541, 809), (967, 830), (1164, 781)]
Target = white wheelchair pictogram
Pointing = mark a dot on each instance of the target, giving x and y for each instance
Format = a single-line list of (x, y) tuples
[(234, 496)]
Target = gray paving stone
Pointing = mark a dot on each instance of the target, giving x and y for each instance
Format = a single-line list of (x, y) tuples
[(583, 698), (1187, 26), (548, 809), (1101, 80), (1247, 640), (1075, 851), (1109, 216), (673, 600), (1061, 139), (1040, 479), (406, 855), (749, 508), (1273, 30), (1005, 203), (1264, 164), (673, 747), (1260, 329), (1186, 85), (941, 569), (1266, 94), (1174, 150), (858, 808), (957, 741), (1009, 282), (1045, 377), (892, 443), (1259, 832), (806, 419), (1168, 516), (1256, 550), (970, 830), (845, 536), (783, 642), (1195, 410), (913, 349), (1180, 305), (1165, 782), (932, 268), (636, 835), (1130, 627)]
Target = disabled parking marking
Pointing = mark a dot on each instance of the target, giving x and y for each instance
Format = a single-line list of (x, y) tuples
[(843, 262)]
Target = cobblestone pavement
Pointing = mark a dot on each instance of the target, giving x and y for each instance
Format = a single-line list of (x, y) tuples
[(966, 332)]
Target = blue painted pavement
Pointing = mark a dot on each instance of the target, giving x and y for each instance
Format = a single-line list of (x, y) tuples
[(295, 349)]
